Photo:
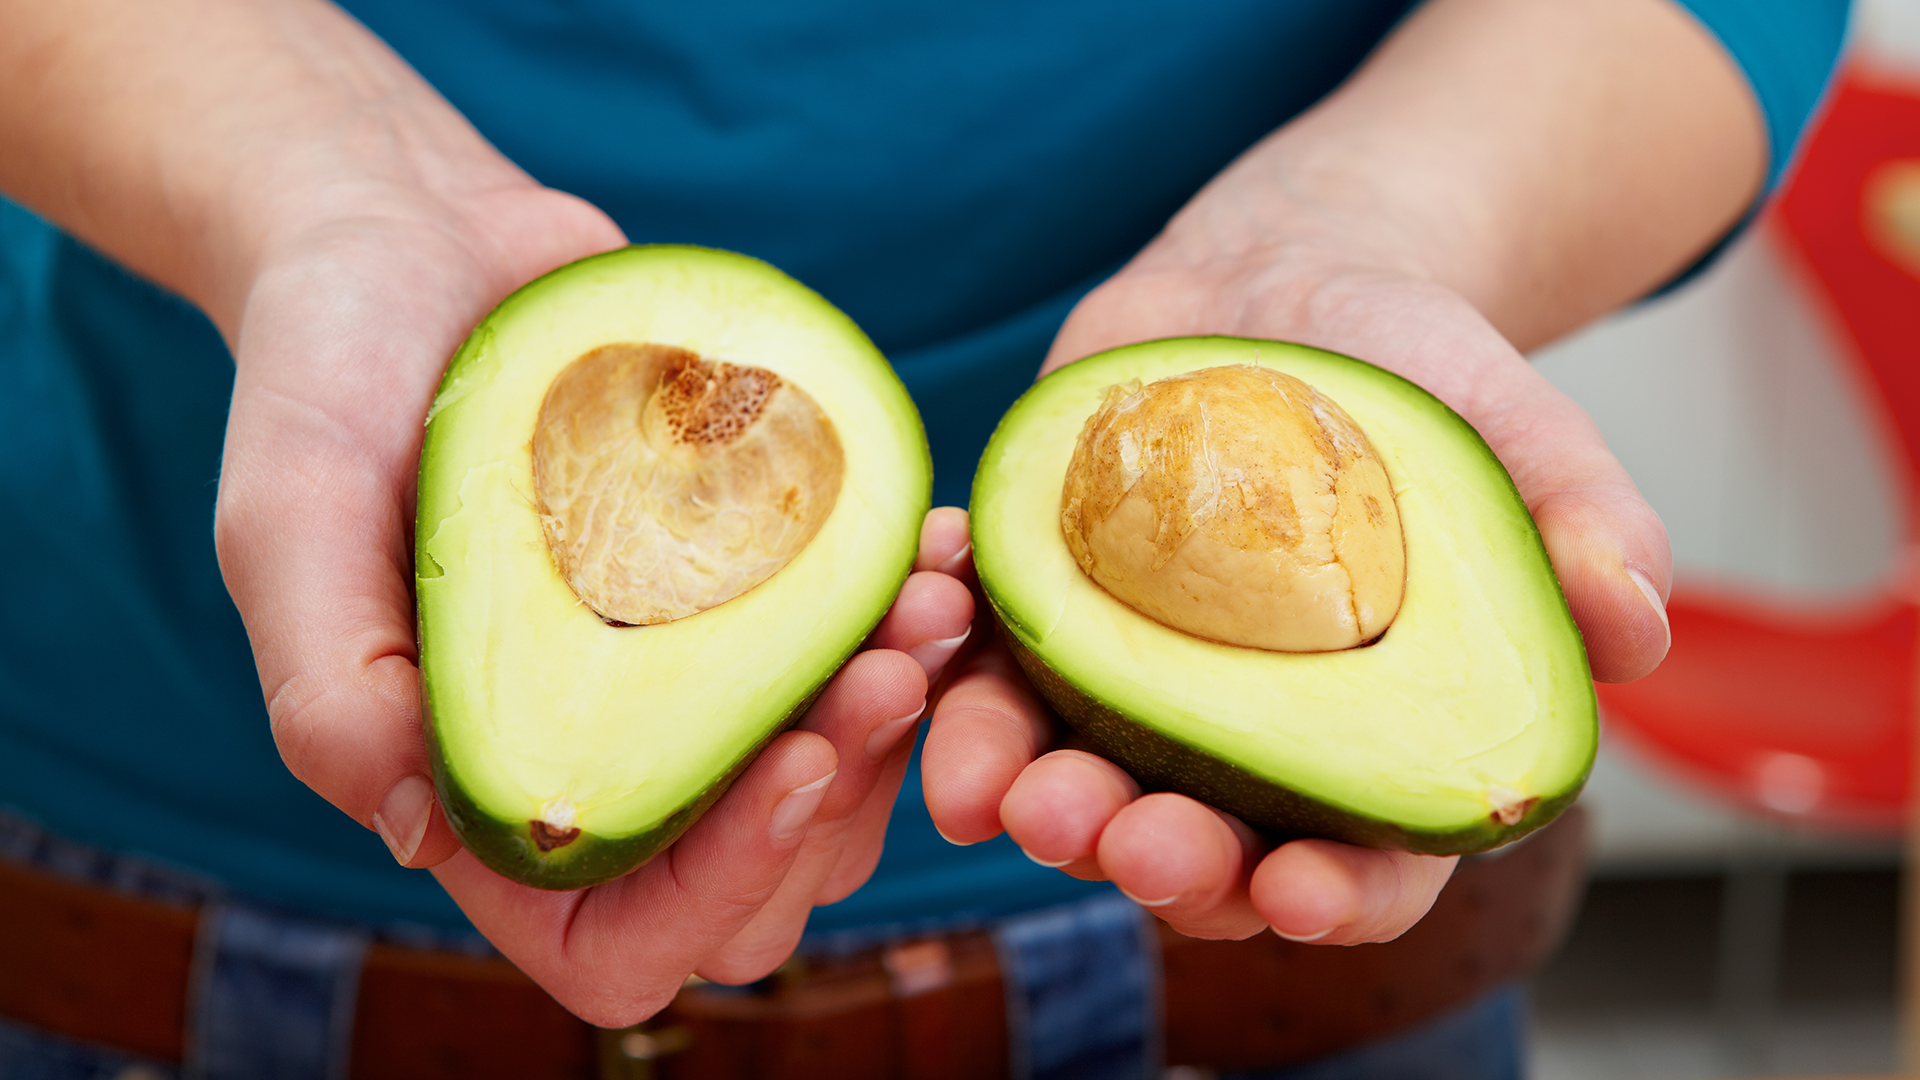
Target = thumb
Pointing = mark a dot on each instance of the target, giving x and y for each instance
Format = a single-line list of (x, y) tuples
[(319, 576), (312, 525)]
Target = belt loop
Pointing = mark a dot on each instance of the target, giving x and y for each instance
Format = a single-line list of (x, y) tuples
[(1083, 991), (271, 996)]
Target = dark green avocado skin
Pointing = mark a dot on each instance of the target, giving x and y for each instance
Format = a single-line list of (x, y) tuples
[(1277, 811), (509, 845), (508, 848)]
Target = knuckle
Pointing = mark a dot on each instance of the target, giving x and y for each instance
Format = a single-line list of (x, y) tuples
[(291, 711)]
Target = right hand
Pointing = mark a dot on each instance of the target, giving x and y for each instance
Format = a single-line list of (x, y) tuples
[(375, 235), (339, 348)]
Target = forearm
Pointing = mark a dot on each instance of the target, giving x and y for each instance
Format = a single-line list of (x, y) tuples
[(1546, 160), (183, 137)]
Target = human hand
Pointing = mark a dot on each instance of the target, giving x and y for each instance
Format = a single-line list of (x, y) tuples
[(992, 757), (1498, 171), (339, 346)]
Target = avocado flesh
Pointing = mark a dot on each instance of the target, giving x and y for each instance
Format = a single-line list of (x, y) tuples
[(544, 718), (1468, 723)]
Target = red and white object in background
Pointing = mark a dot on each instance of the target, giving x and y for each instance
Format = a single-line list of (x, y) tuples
[(1799, 710)]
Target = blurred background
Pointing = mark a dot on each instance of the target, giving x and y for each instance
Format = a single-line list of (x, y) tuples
[(1743, 918)]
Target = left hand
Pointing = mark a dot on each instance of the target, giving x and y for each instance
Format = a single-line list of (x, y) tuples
[(1499, 171), (991, 758)]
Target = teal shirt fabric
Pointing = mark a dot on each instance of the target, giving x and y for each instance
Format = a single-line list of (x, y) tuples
[(1786, 49), (955, 177)]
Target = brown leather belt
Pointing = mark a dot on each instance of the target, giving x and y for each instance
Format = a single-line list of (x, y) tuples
[(102, 967)]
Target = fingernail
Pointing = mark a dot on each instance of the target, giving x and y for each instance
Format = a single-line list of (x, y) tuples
[(887, 735), (1303, 938), (1162, 902), (402, 818), (790, 818), (955, 560), (1653, 598), (933, 655), (1043, 862), (951, 840)]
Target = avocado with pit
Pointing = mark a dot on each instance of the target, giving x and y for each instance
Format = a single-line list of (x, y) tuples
[(664, 494), (1289, 584)]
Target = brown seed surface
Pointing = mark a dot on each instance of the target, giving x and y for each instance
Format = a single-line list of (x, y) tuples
[(1237, 504), (669, 484)]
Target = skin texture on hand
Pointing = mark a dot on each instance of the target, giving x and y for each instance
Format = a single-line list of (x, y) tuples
[(1500, 172)]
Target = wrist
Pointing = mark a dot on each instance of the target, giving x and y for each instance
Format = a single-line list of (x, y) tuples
[(381, 166), (379, 150), (1546, 163), (251, 123), (1283, 227)]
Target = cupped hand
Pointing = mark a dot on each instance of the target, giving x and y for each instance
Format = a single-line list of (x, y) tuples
[(993, 757), (339, 345)]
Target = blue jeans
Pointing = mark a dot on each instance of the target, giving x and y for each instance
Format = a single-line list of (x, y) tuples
[(1483, 1041), (274, 994), (1479, 1042)]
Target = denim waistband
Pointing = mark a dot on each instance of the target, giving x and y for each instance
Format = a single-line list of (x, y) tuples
[(273, 991)]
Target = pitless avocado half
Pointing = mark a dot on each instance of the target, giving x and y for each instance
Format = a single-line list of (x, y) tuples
[(1292, 585), (665, 493)]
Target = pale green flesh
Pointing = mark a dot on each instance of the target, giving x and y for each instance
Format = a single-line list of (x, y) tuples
[(539, 707), (1478, 694)]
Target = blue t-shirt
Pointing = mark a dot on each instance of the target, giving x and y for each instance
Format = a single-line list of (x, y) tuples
[(954, 177)]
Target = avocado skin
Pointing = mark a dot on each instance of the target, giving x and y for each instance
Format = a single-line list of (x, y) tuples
[(507, 847), (1275, 810)]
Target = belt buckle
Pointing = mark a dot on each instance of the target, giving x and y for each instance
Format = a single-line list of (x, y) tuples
[(629, 1053)]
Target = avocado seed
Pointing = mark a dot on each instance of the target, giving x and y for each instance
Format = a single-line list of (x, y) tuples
[(1237, 504), (669, 484)]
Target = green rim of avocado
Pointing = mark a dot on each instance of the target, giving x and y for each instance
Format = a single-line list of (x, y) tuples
[(1470, 722), (567, 751)]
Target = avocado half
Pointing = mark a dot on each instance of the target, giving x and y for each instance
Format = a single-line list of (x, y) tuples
[(567, 750), (1469, 722)]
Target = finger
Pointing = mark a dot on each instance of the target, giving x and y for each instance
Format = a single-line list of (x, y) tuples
[(1616, 579), (865, 835), (944, 541), (1324, 891), (1059, 806), (930, 621), (617, 953), (1608, 548), (1185, 862), (865, 712), (985, 729)]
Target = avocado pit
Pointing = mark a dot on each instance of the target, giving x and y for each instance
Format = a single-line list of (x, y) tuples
[(669, 483), (1238, 504)]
